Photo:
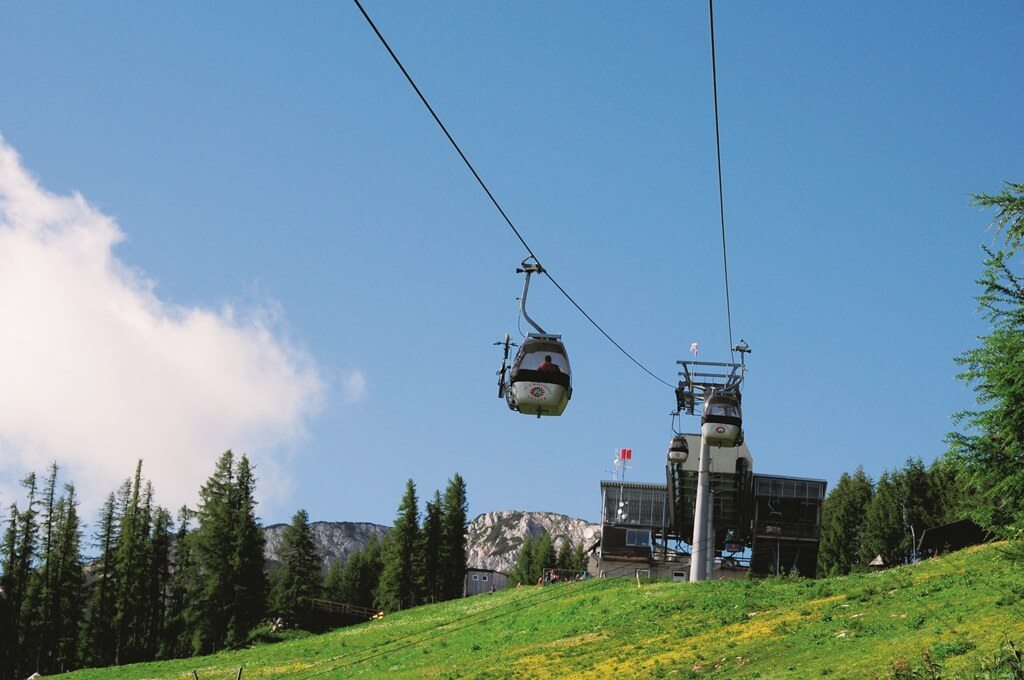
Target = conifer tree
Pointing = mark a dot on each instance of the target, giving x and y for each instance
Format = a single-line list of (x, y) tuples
[(522, 572), (98, 635), (21, 609), (989, 447), (918, 504), (68, 585), (360, 576), (455, 508), (131, 569), (842, 524), (579, 558), (247, 558), (399, 586), (210, 610), (299, 578), (184, 582), (38, 635), (564, 559), (8, 583), (432, 539), (158, 580), (948, 491), (884, 529), (229, 594), (334, 582), (543, 556)]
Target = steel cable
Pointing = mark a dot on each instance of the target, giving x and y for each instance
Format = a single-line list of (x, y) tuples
[(493, 200)]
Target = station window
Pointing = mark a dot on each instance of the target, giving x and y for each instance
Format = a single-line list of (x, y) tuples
[(638, 537)]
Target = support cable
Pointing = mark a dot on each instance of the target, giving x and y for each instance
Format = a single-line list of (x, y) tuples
[(721, 192), (493, 200)]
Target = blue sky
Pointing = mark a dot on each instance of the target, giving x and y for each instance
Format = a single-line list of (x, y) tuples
[(271, 156)]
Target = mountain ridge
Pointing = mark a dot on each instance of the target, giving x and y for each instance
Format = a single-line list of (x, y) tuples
[(493, 539)]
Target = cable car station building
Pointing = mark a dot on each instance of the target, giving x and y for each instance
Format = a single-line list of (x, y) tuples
[(761, 524)]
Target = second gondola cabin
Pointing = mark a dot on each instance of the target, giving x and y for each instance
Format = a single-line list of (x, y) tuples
[(678, 449), (722, 419), (540, 383)]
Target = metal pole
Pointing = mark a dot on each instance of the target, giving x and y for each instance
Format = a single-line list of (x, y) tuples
[(711, 537), (700, 512), (522, 300)]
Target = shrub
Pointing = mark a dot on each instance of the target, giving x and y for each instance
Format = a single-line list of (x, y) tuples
[(1008, 662), (944, 650)]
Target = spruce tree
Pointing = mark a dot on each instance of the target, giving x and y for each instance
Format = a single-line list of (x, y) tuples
[(884, 529), (68, 585), (919, 504), (360, 576), (299, 578), (455, 508), (399, 586), (543, 556), (432, 540), (131, 570), (247, 558), (98, 635), (522, 572), (579, 558), (334, 582), (8, 566), (842, 523), (184, 582), (947, 489), (22, 595), (210, 611), (39, 633), (564, 559), (158, 581)]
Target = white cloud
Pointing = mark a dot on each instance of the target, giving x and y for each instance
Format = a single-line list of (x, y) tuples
[(355, 387), (96, 371)]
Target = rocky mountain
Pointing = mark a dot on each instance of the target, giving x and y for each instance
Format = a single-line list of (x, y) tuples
[(494, 538), (335, 540)]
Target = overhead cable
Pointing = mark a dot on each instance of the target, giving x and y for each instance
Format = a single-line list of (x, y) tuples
[(721, 192), (493, 200)]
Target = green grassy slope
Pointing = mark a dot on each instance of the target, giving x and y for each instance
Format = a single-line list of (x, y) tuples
[(958, 610)]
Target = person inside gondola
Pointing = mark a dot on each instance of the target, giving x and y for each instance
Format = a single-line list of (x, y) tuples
[(548, 365)]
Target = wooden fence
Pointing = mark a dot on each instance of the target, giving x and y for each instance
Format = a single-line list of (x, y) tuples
[(344, 608)]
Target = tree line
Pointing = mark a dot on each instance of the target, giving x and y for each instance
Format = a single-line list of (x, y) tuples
[(981, 474), (158, 589), (863, 518), (421, 560), (164, 588), (538, 553)]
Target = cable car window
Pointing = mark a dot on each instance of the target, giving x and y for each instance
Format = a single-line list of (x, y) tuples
[(723, 409), (552, 362)]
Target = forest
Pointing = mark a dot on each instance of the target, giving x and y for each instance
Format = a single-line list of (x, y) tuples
[(164, 587)]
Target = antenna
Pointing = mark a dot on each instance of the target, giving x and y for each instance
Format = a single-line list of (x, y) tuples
[(622, 458)]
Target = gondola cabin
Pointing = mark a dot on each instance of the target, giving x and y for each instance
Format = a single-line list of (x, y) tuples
[(541, 381), (721, 421), (678, 449)]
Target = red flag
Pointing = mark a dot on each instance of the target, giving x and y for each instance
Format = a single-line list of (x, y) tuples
[(625, 454)]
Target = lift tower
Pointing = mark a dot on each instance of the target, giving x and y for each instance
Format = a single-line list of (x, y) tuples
[(699, 382)]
